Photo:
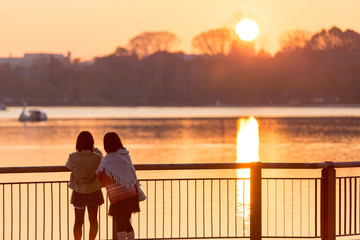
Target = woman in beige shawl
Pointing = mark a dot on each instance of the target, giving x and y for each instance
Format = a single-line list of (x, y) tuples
[(117, 173)]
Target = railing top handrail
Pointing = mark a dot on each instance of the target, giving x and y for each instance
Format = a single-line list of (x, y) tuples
[(194, 166)]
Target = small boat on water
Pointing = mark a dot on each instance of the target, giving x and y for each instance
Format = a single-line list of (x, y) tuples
[(32, 116)]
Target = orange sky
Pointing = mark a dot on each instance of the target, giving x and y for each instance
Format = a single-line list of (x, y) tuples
[(90, 28)]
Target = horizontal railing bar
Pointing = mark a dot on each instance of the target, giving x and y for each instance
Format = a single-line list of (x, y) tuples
[(189, 179), (172, 179), (182, 238), (8, 183), (285, 178), (191, 166), (175, 179), (294, 165), (290, 237), (146, 180), (43, 169), (346, 164)]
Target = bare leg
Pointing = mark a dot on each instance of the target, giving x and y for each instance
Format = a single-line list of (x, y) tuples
[(79, 221), (92, 211)]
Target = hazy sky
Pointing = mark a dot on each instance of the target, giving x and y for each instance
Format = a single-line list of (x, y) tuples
[(90, 28)]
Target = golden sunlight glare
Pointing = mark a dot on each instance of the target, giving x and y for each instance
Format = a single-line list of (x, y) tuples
[(247, 140), (247, 30), (247, 150)]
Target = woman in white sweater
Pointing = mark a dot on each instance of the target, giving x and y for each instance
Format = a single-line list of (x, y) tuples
[(84, 183)]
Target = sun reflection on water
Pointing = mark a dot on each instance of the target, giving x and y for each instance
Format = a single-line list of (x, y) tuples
[(247, 150)]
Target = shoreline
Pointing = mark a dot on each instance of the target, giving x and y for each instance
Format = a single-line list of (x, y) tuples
[(186, 112), (188, 105)]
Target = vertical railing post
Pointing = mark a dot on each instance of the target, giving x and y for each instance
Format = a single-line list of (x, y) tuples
[(255, 201), (328, 202), (114, 233)]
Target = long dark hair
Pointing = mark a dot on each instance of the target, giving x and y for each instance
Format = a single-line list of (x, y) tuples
[(85, 141), (112, 142)]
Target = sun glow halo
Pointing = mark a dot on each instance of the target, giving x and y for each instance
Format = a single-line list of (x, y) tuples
[(247, 30)]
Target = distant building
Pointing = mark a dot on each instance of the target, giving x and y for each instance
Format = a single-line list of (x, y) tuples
[(30, 59)]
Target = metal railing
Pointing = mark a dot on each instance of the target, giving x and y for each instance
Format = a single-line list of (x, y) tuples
[(291, 207), (197, 208), (348, 206)]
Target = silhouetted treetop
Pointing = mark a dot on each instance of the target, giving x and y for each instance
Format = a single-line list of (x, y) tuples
[(294, 40), (121, 51), (148, 43), (335, 39), (213, 42)]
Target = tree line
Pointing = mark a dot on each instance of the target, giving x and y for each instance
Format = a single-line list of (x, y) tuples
[(309, 68)]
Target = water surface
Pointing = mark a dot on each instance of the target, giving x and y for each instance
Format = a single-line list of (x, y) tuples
[(183, 134)]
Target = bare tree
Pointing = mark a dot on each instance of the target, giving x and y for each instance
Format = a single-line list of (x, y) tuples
[(213, 42), (335, 39), (148, 43), (294, 40)]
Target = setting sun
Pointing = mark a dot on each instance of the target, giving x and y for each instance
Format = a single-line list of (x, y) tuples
[(247, 30)]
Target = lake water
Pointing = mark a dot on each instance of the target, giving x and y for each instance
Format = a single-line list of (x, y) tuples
[(183, 134)]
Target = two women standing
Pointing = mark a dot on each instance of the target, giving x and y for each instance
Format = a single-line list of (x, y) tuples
[(116, 172)]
